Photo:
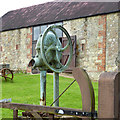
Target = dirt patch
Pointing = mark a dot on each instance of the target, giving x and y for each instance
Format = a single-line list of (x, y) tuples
[(63, 75)]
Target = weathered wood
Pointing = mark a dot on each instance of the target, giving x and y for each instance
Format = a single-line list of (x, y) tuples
[(86, 88), (65, 54), (15, 114), (109, 95), (36, 115), (51, 117), (35, 108)]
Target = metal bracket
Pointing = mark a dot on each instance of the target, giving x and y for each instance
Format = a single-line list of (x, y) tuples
[(76, 113)]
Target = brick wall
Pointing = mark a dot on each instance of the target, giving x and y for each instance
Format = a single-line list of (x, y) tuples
[(16, 48), (96, 51), (102, 45)]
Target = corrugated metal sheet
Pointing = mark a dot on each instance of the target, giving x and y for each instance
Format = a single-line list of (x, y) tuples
[(55, 12)]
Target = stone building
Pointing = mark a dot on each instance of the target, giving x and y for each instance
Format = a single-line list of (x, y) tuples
[(94, 27)]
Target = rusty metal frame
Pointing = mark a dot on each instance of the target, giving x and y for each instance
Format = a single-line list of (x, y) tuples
[(4, 74), (4, 69), (86, 88)]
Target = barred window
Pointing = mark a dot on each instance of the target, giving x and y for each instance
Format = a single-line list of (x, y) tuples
[(36, 32)]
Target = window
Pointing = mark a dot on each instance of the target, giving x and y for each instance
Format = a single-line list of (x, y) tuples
[(40, 29), (43, 27), (58, 31), (36, 32), (83, 47)]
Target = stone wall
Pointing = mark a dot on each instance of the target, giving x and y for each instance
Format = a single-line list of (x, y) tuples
[(16, 48), (112, 41), (97, 42)]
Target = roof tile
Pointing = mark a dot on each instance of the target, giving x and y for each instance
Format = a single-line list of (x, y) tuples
[(52, 12)]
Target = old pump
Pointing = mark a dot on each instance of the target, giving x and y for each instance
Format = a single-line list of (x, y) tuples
[(48, 56)]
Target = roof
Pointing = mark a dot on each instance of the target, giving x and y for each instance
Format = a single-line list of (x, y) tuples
[(52, 12)]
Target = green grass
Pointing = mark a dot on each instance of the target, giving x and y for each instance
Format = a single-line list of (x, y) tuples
[(26, 89)]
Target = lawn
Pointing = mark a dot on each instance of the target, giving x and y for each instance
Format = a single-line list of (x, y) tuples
[(25, 89)]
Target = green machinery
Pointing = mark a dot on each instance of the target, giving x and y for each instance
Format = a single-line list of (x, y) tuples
[(48, 57)]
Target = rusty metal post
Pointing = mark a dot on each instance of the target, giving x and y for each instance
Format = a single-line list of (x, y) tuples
[(109, 95), (56, 88), (42, 87), (15, 114)]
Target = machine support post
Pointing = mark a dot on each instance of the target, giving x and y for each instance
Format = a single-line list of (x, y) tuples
[(42, 87), (56, 88)]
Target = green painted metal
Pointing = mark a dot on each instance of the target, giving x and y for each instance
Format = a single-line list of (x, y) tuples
[(49, 51), (42, 87), (48, 56), (56, 88), (56, 66)]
